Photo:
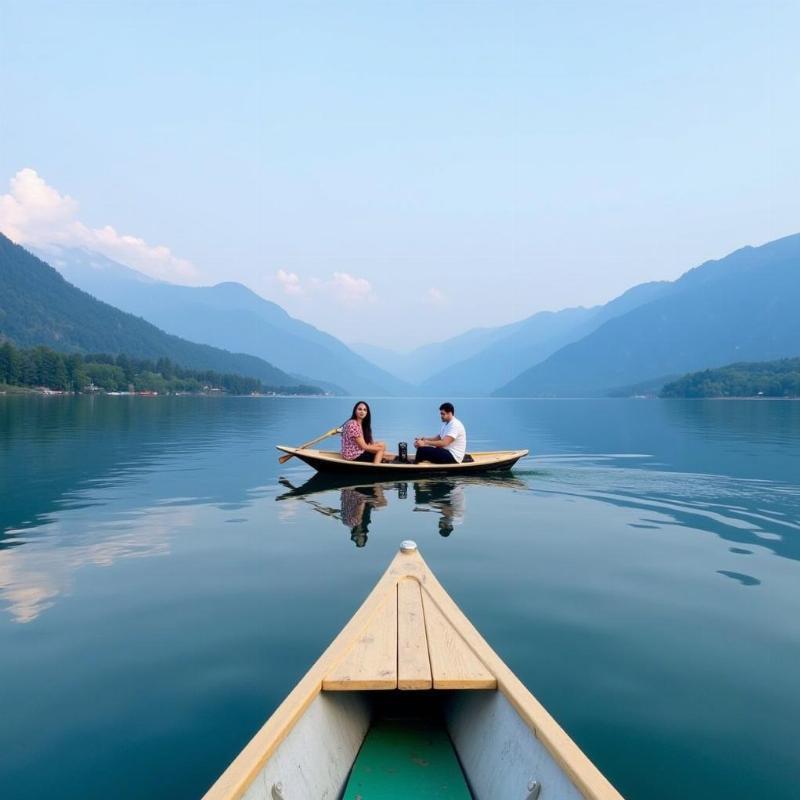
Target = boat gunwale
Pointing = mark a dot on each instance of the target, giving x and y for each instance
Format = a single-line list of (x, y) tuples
[(486, 460), (243, 770)]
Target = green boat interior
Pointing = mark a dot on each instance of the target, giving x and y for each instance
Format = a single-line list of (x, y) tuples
[(407, 752)]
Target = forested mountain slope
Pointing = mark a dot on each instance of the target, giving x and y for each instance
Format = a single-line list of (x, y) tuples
[(39, 307)]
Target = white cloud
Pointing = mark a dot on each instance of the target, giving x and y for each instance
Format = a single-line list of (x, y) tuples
[(34, 213), (289, 281), (346, 288), (435, 297), (350, 289)]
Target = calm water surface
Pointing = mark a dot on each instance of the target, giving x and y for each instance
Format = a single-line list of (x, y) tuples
[(164, 582)]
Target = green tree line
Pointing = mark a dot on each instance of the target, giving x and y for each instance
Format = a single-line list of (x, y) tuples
[(762, 378), (73, 372)]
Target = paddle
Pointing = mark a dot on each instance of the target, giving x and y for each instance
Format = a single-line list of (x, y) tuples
[(284, 459)]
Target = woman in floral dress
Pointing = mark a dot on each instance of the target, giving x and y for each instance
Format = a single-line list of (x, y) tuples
[(357, 444)]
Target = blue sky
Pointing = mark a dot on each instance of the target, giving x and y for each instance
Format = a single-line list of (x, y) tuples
[(398, 172)]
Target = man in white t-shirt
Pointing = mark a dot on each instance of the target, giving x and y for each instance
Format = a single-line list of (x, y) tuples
[(449, 446)]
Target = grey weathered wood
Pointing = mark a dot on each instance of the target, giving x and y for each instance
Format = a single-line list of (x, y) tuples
[(498, 751), (314, 760)]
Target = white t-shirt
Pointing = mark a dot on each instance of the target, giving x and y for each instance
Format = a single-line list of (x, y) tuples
[(458, 446)]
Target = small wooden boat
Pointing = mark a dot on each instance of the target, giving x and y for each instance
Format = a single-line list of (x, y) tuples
[(409, 701), (332, 462)]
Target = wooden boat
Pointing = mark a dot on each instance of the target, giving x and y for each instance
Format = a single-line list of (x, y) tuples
[(332, 462), (409, 693)]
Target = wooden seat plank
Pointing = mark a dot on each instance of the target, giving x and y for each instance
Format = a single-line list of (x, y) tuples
[(454, 664), (372, 661), (413, 660)]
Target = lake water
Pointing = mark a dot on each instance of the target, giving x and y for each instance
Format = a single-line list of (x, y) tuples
[(164, 582)]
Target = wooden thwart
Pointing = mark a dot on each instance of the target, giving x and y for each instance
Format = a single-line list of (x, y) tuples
[(413, 660), (408, 643), (453, 663), (372, 662)]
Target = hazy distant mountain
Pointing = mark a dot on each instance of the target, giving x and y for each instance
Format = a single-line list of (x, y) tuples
[(516, 347), (744, 307), (382, 357), (38, 306), (229, 315), (423, 362)]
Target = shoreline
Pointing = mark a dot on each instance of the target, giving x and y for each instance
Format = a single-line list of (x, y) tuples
[(8, 390)]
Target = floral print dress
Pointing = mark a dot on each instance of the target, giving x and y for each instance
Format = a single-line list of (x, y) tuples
[(350, 432)]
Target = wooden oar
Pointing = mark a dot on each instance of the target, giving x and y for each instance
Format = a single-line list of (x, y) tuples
[(284, 459)]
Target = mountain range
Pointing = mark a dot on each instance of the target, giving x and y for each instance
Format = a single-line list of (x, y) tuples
[(743, 307), (531, 341), (39, 307), (740, 307), (478, 362), (425, 361), (230, 316)]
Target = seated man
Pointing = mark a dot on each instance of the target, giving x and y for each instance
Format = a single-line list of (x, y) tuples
[(449, 446)]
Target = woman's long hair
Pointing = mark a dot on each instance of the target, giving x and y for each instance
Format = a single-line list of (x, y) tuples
[(366, 423)]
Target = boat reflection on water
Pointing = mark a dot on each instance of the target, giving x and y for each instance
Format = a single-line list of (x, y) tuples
[(444, 497)]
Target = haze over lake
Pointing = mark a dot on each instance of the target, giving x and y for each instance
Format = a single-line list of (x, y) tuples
[(164, 581)]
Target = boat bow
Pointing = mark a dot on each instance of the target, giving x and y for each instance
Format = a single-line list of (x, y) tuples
[(410, 635)]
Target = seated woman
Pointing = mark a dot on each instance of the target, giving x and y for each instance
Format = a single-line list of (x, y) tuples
[(357, 444)]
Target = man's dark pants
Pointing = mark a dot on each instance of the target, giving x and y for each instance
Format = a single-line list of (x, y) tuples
[(436, 455)]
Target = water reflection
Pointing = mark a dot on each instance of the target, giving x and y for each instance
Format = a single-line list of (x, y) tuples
[(444, 497), (60, 454), (745, 580), (355, 507), (32, 578), (89, 481)]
